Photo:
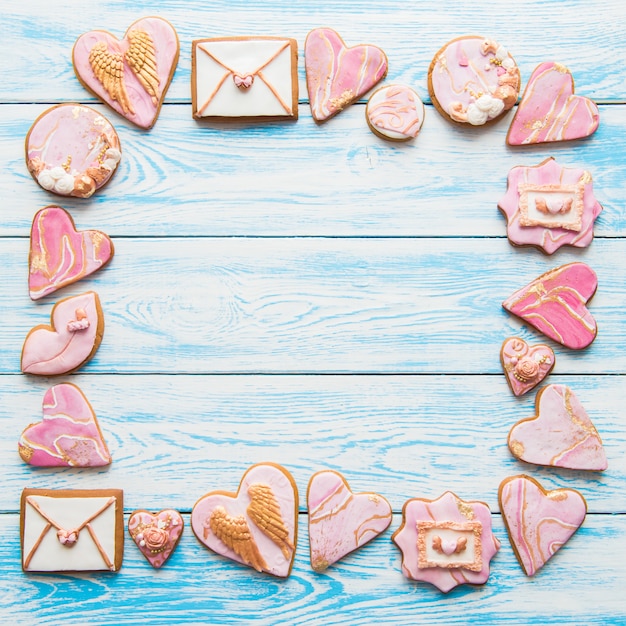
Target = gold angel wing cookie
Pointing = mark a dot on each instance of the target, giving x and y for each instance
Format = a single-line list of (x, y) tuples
[(234, 533), (109, 70), (264, 511), (141, 59)]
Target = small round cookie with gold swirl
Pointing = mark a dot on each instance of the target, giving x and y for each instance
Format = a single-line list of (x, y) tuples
[(395, 113)]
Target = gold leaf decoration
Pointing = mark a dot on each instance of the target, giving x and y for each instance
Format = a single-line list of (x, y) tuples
[(109, 70), (141, 59), (264, 511)]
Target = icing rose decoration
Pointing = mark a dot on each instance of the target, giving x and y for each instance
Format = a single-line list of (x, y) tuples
[(156, 535), (526, 369), (155, 539), (525, 366)]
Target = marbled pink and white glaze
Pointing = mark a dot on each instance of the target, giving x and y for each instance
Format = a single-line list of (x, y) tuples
[(555, 304), (61, 255), (447, 519), (549, 110), (560, 434), (395, 112), (276, 558), (525, 366), (539, 522), (139, 107), (156, 535), (72, 150), (341, 521), (549, 206), (337, 76), (68, 435), (473, 80), (74, 336)]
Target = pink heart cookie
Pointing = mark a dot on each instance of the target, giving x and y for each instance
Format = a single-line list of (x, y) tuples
[(337, 76), (75, 333), (132, 75), (525, 366), (549, 110), (341, 521), (60, 255), (68, 435), (256, 526), (538, 522), (560, 434), (156, 535), (554, 303)]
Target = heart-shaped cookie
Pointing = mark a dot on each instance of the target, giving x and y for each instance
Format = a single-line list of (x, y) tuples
[(131, 75), (337, 76), (341, 521), (555, 304), (156, 535), (60, 255), (525, 366), (549, 110), (74, 335), (560, 434), (539, 522), (68, 435), (258, 525)]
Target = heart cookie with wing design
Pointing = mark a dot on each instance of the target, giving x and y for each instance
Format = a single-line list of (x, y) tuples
[(156, 535), (256, 526)]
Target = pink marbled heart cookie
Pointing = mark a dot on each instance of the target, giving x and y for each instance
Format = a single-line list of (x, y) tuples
[(549, 110), (132, 75), (258, 525), (525, 366), (337, 76), (156, 535), (75, 333), (538, 522), (560, 434), (341, 521), (68, 435), (555, 304), (60, 255)]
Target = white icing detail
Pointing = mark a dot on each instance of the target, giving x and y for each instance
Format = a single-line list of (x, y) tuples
[(485, 108), (502, 53), (114, 154), (45, 180), (65, 184)]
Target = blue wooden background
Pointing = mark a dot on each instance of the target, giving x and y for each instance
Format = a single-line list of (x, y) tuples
[(316, 297)]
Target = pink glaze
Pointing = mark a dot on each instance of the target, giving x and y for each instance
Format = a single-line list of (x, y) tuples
[(549, 110), (560, 434), (60, 255), (340, 521), (68, 436), (337, 76), (554, 303), (156, 535), (572, 207), (56, 349), (140, 107), (395, 112), (273, 557), (525, 366), (539, 522), (446, 542)]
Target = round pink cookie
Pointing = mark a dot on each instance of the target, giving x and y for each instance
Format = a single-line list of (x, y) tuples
[(395, 112), (72, 150), (473, 80)]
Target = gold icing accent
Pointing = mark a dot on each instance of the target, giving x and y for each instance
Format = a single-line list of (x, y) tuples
[(68, 161), (557, 496), (345, 98), (373, 498), (585, 178), (264, 511), (26, 452), (517, 448), (108, 68), (38, 263), (141, 59), (559, 67), (465, 509)]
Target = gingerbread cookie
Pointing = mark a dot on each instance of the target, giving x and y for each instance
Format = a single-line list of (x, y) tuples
[(525, 366), (473, 80), (156, 535), (72, 150), (395, 112)]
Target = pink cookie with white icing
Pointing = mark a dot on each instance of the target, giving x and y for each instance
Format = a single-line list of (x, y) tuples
[(538, 522), (473, 80), (258, 525), (131, 75), (156, 535), (337, 76), (60, 255), (549, 110), (525, 366), (549, 206), (560, 434), (555, 304), (74, 335), (72, 150), (446, 542), (68, 435), (395, 112), (341, 521)]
